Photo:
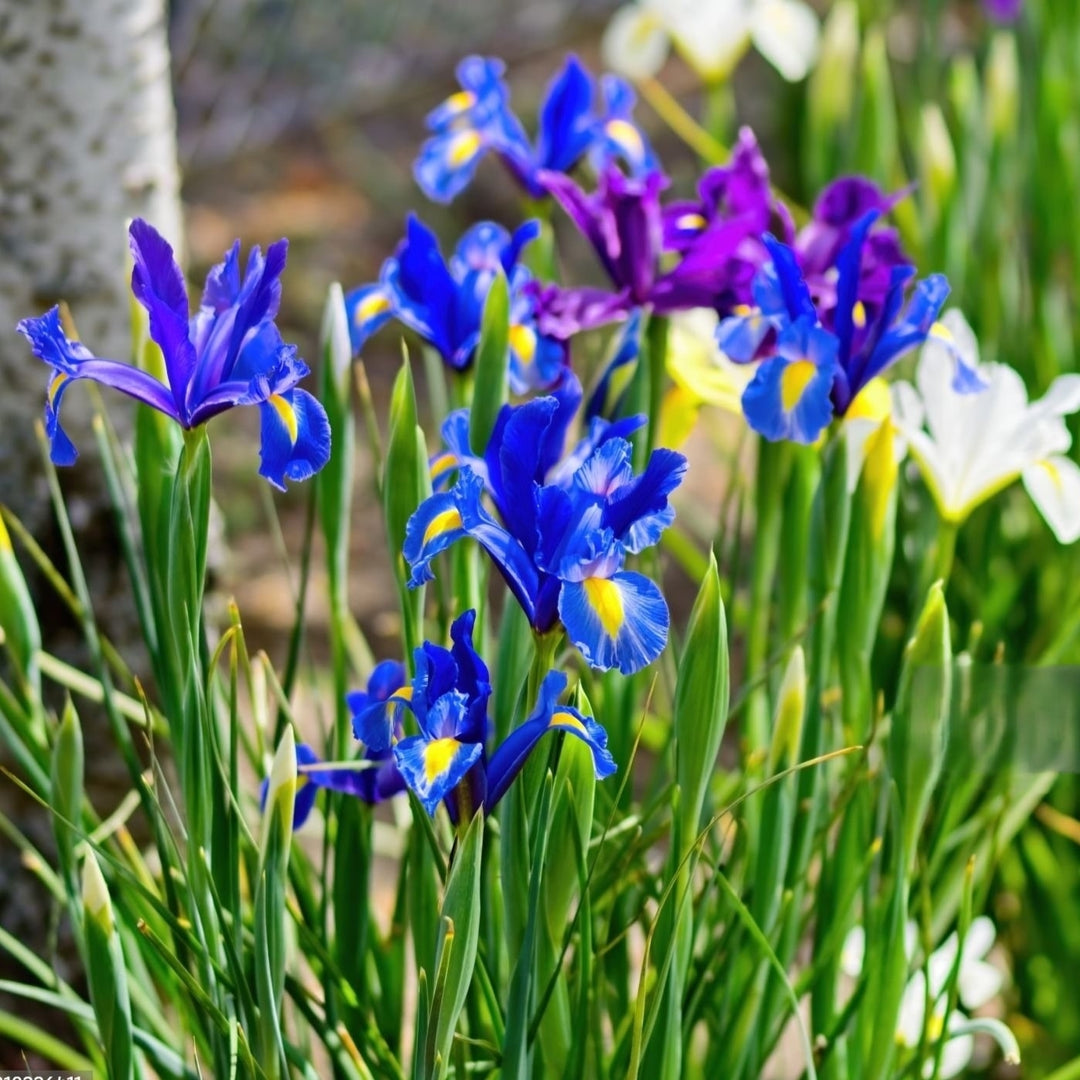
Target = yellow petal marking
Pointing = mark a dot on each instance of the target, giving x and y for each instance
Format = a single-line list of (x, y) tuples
[(462, 100), (523, 342), (463, 147), (437, 757), (567, 719), (57, 381), (287, 414), (372, 305), (795, 379), (624, 134), (606, 600), (442, 464), (690, 221), (858, 314), (442, 523)]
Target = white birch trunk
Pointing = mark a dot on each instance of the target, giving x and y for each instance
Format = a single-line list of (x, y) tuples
[(87, 141)]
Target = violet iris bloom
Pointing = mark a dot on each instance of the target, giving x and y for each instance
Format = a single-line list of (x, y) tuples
[(717, 238), (228, 353)]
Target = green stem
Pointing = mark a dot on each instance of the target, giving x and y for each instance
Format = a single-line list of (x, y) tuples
[(946, 551), (682, 123)]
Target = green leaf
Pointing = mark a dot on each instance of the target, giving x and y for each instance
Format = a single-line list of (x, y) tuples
[(918, 734), (491, 387), (106, 973), (19, 623), (67, 793), (406, 482), (459, 925), (270, 941), (701, 704)]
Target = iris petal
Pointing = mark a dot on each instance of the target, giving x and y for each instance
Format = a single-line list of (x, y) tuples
[(295, 437), (434, 767), (368, 308), (788, 397), (621, 621), (158, 284), (548, 715)]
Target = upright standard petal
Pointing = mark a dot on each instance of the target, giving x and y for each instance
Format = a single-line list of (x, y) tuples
[(621, 621), (158, 284), (295, 437), (566, 118), (548, 715)]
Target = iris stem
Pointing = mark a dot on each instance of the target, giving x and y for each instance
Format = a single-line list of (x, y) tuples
[(946, 551), (667, 107)]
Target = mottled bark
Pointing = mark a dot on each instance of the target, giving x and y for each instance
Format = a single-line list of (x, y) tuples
[(87, 141)]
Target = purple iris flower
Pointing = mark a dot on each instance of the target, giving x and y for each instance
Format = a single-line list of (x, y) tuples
[(717, 240), (1003, 10), (228, 353), (838, 211), (478, 119)]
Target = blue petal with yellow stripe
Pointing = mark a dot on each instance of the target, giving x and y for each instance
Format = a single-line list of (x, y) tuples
[(464, 127), (548, 715), (619, 621), (368, 308), (618, 137), (228, 353), (295, 437), (789, 396)]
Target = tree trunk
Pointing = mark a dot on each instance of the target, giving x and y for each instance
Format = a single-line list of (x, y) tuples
[(87, 141)]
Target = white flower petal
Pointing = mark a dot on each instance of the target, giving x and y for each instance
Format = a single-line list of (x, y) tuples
[(979, 939), (635, 43), (1054, 487), (978, 983), (909, 1024), (1063, 397), (711, 35), (853, 952), (787, 34), (958, 1052), (940, 965)]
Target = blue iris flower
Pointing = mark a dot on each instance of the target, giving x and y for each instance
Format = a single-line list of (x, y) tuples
[(478, 119), (815, 366), (444, 303), (564, 529), (449, 700), (228, 353)]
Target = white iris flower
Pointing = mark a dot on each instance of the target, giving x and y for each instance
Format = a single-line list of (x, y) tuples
[(712, 36), (971, 446)]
